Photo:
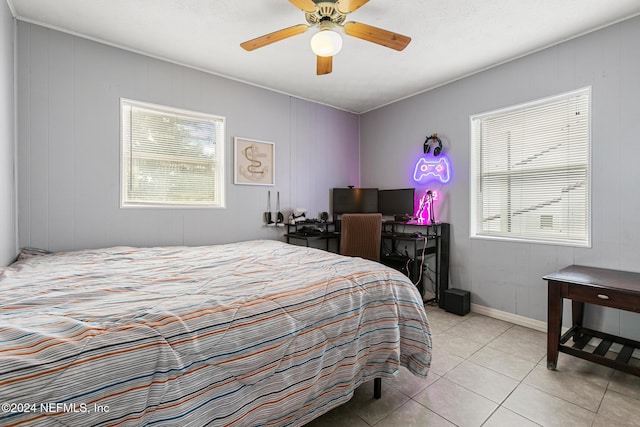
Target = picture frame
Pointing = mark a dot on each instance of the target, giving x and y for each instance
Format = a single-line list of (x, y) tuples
[(253, 162)]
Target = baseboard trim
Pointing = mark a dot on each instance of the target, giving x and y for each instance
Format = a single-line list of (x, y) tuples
[(527, 322)]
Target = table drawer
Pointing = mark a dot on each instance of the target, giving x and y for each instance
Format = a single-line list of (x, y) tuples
[(605, 297)]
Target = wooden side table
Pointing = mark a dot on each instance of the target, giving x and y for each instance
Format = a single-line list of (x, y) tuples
[(599, 286)]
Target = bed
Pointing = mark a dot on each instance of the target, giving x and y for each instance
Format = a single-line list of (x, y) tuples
[(242, 334)]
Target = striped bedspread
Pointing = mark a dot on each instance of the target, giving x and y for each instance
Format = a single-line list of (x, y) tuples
[(244, 334)]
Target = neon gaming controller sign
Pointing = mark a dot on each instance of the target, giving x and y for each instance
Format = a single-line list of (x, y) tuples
[(426, 170)]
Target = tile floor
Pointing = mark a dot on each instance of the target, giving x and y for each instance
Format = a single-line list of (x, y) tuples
[(486, 372)]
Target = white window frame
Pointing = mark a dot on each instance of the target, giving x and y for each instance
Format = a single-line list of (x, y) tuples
[(548, 232), (218, 159)]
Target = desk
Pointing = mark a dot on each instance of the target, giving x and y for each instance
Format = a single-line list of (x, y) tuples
[(599, 286), (322, 233), (325, 235), (434, 238)]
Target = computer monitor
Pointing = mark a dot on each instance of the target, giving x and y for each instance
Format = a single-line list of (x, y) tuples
[(397, 202), (355, 200)]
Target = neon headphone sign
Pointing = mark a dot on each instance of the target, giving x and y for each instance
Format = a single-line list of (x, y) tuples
[(432, 168)]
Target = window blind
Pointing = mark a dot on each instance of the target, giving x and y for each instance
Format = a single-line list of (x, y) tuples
[(171, 157), (530, 171)]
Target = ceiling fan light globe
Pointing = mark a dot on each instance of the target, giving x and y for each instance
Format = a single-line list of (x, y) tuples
[(326, 43)]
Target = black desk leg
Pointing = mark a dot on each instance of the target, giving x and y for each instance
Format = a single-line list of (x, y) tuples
[(377, 388), (443, 259)]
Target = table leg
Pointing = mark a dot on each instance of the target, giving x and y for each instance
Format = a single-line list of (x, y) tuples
[(554, 309), (577, 312)]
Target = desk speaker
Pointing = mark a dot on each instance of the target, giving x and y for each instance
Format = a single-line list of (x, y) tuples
[(457, 301)]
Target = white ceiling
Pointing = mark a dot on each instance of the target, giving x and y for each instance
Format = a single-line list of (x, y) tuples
[(450, 39)]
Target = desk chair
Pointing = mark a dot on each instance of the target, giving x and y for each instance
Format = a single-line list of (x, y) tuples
[(360, 235)]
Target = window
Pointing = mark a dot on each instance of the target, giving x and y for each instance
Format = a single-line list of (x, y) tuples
[(170, 157), (530, 171)]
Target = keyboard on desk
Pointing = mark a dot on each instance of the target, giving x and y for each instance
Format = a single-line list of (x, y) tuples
[(404, 235)]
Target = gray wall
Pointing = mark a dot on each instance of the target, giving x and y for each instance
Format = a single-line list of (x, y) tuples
[(8, 249), (507, 276), (68, 147)]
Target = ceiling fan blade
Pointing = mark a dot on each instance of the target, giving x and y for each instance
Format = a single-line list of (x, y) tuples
[(305, 5), (274, 37), (324, 65), (348, 6), (376, 35)]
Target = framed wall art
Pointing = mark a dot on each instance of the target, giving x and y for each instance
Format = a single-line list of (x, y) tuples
[(254, 162)]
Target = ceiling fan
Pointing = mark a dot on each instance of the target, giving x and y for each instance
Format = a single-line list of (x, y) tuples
[(328, 16)]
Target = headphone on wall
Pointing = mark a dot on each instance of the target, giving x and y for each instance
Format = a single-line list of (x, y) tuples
[(427, 146)]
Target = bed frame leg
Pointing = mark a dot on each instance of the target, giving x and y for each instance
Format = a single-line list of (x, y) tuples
[(377, 388)]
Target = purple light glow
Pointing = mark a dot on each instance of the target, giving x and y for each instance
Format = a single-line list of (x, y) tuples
[(428, 169), (426, 209)]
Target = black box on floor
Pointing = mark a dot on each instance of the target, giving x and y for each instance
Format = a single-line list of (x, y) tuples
[(457, 301)]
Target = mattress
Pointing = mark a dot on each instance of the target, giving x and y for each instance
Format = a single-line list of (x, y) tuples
[(257, 333)]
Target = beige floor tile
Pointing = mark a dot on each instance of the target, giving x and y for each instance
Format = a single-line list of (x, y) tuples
[(625, 384), (522, 342), (440, 320), (480, 329), (459, 346), (505, 418), (569, 386), (602, 421), (407, 383), (503, 363), (547, 410), (442, 362), (483, 381), (620, 408), (412, 414), (373, 410), (455, 403), (587, 370), (338, 417)]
